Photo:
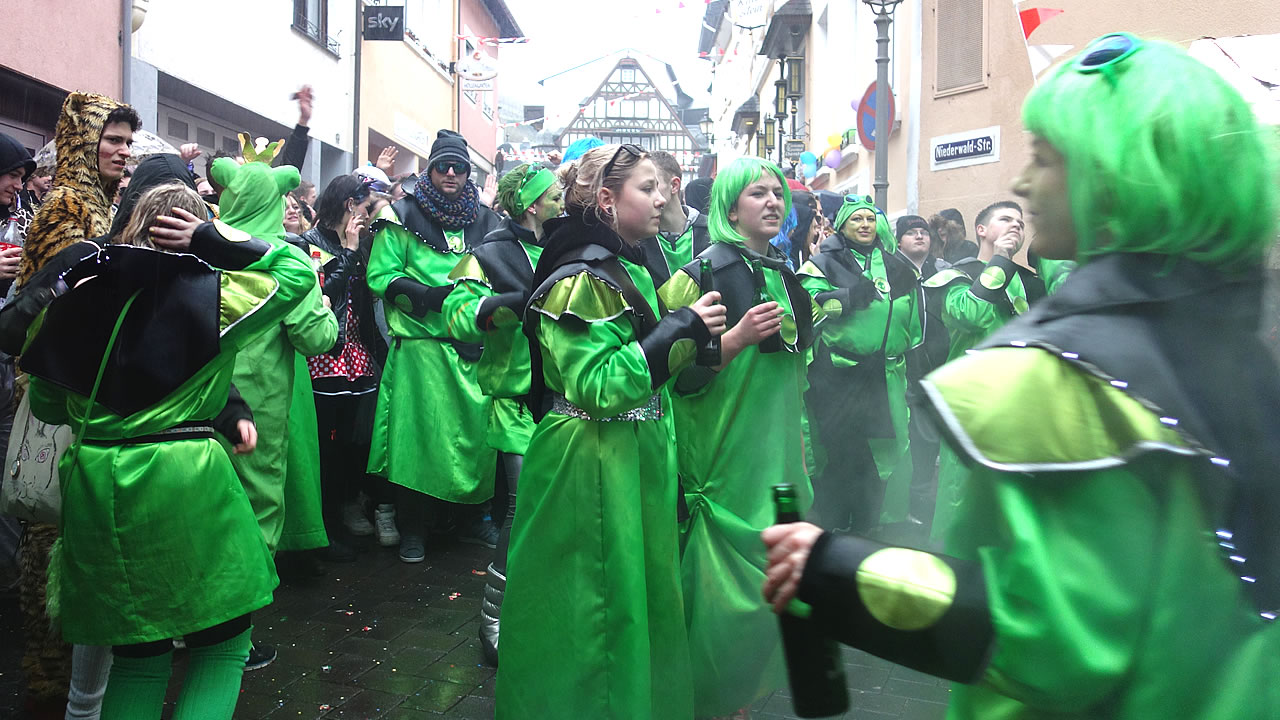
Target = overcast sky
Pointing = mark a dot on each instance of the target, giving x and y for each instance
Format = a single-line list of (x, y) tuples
[(566, 33)]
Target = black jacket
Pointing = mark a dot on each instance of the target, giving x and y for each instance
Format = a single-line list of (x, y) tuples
[(346, 287)]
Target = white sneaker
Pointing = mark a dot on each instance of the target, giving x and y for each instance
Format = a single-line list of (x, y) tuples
[(353, 517), (384, 519)]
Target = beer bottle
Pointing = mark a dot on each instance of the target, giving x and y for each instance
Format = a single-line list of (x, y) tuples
[(814, 669), (708, 354), (773, 343)]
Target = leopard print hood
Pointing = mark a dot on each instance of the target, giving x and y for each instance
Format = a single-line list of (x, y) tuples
[(78, 207)]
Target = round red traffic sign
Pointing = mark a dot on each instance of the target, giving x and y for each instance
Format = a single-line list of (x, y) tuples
[(867, 116)]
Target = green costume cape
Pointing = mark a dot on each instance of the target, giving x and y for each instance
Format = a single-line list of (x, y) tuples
[(592, 621), (889, 326), (738, 432), (503, 370), (159, 538), (976, 301), (429, 426), (283, 482)]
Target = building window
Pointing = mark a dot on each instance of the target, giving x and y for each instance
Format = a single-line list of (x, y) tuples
[(178, 129), (961, 43), (204, 137), (229, 144), (311, 18)]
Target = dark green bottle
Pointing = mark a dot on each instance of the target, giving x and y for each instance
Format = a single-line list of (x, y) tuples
[(709, 354), (773, 343), (814, 668)]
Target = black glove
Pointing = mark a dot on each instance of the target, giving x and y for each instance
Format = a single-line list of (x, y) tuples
[(415, 298), (227, 422), (222, 246), (513, 301), (673, 344), (851, 299)]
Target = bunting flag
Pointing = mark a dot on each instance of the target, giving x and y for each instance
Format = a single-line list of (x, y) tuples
[(1032, 17), (1042, 56), (493, 41)]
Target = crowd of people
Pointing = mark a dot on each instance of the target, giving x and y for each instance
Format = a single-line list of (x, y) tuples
[(599, 372)]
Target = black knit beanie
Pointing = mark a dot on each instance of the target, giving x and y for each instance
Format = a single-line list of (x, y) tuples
[(910, 222), (449, 145), (14, 156)]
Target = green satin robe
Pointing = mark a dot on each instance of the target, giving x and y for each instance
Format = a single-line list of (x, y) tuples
[(503, 370), (593, 621), (862, 333), (159, 539), (736, 437), (429, 425)]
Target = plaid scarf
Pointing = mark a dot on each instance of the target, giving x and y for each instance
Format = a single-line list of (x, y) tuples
[(449, 214)]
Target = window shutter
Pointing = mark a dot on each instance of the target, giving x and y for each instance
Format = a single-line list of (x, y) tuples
[(961, 51)]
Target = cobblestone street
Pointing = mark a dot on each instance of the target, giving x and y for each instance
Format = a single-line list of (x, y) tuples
[(382, 639)]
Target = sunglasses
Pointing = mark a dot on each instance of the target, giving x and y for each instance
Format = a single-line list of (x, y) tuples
[(1107, 51), (375, 185), (631, 148), (457, 166), (860, 198)]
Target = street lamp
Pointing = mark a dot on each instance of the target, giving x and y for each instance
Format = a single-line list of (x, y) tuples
[(706, 126), (780, 98), (769, 126), (883, 10), (795, 77), (761, 149)]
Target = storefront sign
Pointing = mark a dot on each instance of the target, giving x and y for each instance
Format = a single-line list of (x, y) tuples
[(383, 22), (973, 147)]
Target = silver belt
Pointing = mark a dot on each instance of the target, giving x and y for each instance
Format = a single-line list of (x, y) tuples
[(651, 410)]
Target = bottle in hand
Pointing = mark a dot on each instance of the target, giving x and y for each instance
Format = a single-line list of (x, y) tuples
[(318, 263), (814, 668), (708, 354), (773, 343)]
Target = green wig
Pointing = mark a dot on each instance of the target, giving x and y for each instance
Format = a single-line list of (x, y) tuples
[(1162, 156), (854, 203), (728, 185), (520, 188)]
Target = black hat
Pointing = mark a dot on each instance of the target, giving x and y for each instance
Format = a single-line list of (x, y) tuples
[(910, 222), (13, 156), (697, 194), (449, 145)]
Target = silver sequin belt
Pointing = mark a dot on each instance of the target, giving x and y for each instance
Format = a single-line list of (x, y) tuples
[(651, 410)]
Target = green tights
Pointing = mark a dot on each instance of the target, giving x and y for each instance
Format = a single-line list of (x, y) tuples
[(137, 685)]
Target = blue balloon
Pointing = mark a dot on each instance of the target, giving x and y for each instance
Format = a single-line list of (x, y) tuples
[(808, 158)]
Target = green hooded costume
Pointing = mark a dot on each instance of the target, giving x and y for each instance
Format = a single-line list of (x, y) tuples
[(282, 476), (859, 375)]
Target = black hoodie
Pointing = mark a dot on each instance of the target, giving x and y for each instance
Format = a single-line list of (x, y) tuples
[(12, 157)]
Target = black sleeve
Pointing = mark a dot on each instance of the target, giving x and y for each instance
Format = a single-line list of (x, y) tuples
[(226, 248), (513, 301), (40, 290), (673, 344), (926, 611), (993, 280), (233, 412), (416, 298), (295, 148), (851, 299)]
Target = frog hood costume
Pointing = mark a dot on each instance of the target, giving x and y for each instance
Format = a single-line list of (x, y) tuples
[(271, 373)]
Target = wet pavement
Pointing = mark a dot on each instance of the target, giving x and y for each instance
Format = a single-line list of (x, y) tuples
[(382, 639)]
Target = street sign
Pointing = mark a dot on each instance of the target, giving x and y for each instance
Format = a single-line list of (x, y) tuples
[(384, 22), (794, 148), (867, 117)]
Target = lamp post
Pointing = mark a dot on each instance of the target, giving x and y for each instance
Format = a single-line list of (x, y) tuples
[(780, 108), (761, 150), (707, 127), (884, 17), (770, 124)]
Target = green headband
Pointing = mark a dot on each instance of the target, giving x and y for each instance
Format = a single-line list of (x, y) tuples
[(532, 187)]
